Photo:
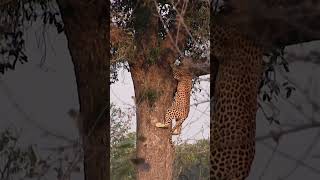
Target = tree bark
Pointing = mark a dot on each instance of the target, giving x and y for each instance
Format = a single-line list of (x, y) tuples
[(154, 88), (87, 30), (154, 92)]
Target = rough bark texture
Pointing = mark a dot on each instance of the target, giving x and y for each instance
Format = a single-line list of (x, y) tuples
[(154, 91), (154, 88), (153, 95), (87, 31)]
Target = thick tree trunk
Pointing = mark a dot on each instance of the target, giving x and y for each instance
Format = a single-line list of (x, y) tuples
[(154, 92), (87, 31), (155, 88)]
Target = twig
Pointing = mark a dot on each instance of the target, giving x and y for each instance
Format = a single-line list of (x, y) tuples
[(289, 131)]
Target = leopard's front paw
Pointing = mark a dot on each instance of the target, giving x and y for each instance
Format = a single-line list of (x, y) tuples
[(161, 125)]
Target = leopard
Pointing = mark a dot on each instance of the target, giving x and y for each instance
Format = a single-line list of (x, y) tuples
[(180, 107), (233, 121), (236, 86)]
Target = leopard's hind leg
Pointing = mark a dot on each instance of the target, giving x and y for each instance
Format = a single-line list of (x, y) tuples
[(176, 130), (170, 115)]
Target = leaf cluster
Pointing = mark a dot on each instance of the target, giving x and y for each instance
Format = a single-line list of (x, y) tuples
[(192, 161), (16, 162), (25, 162), (132, 16), (270, 87), (15, 17), (122, 145)]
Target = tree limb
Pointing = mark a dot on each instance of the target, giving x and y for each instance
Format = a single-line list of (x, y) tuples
[(280, 23), (277, 135)]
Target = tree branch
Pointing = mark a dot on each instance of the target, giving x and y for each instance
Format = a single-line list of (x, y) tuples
[(273, 22), (277, 135), (292, 158), (198, 67)]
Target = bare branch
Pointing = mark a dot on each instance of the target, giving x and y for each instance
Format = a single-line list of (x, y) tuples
[(292, 158), (278, 135)]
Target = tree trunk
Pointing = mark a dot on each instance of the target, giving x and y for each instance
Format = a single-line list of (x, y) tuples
[(154, 88), (154, 93), (87, 31)]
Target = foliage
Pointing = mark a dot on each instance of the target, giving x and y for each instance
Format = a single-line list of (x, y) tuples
[(154, 55), (122, 145), (120, 122), (197, 19), (121, 154), (16, 162), (24, 162), (115, 68), (192, 161), (141, 19), (149, 95), (270, 87), (121, 12), (132, 17), (15, 16)]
